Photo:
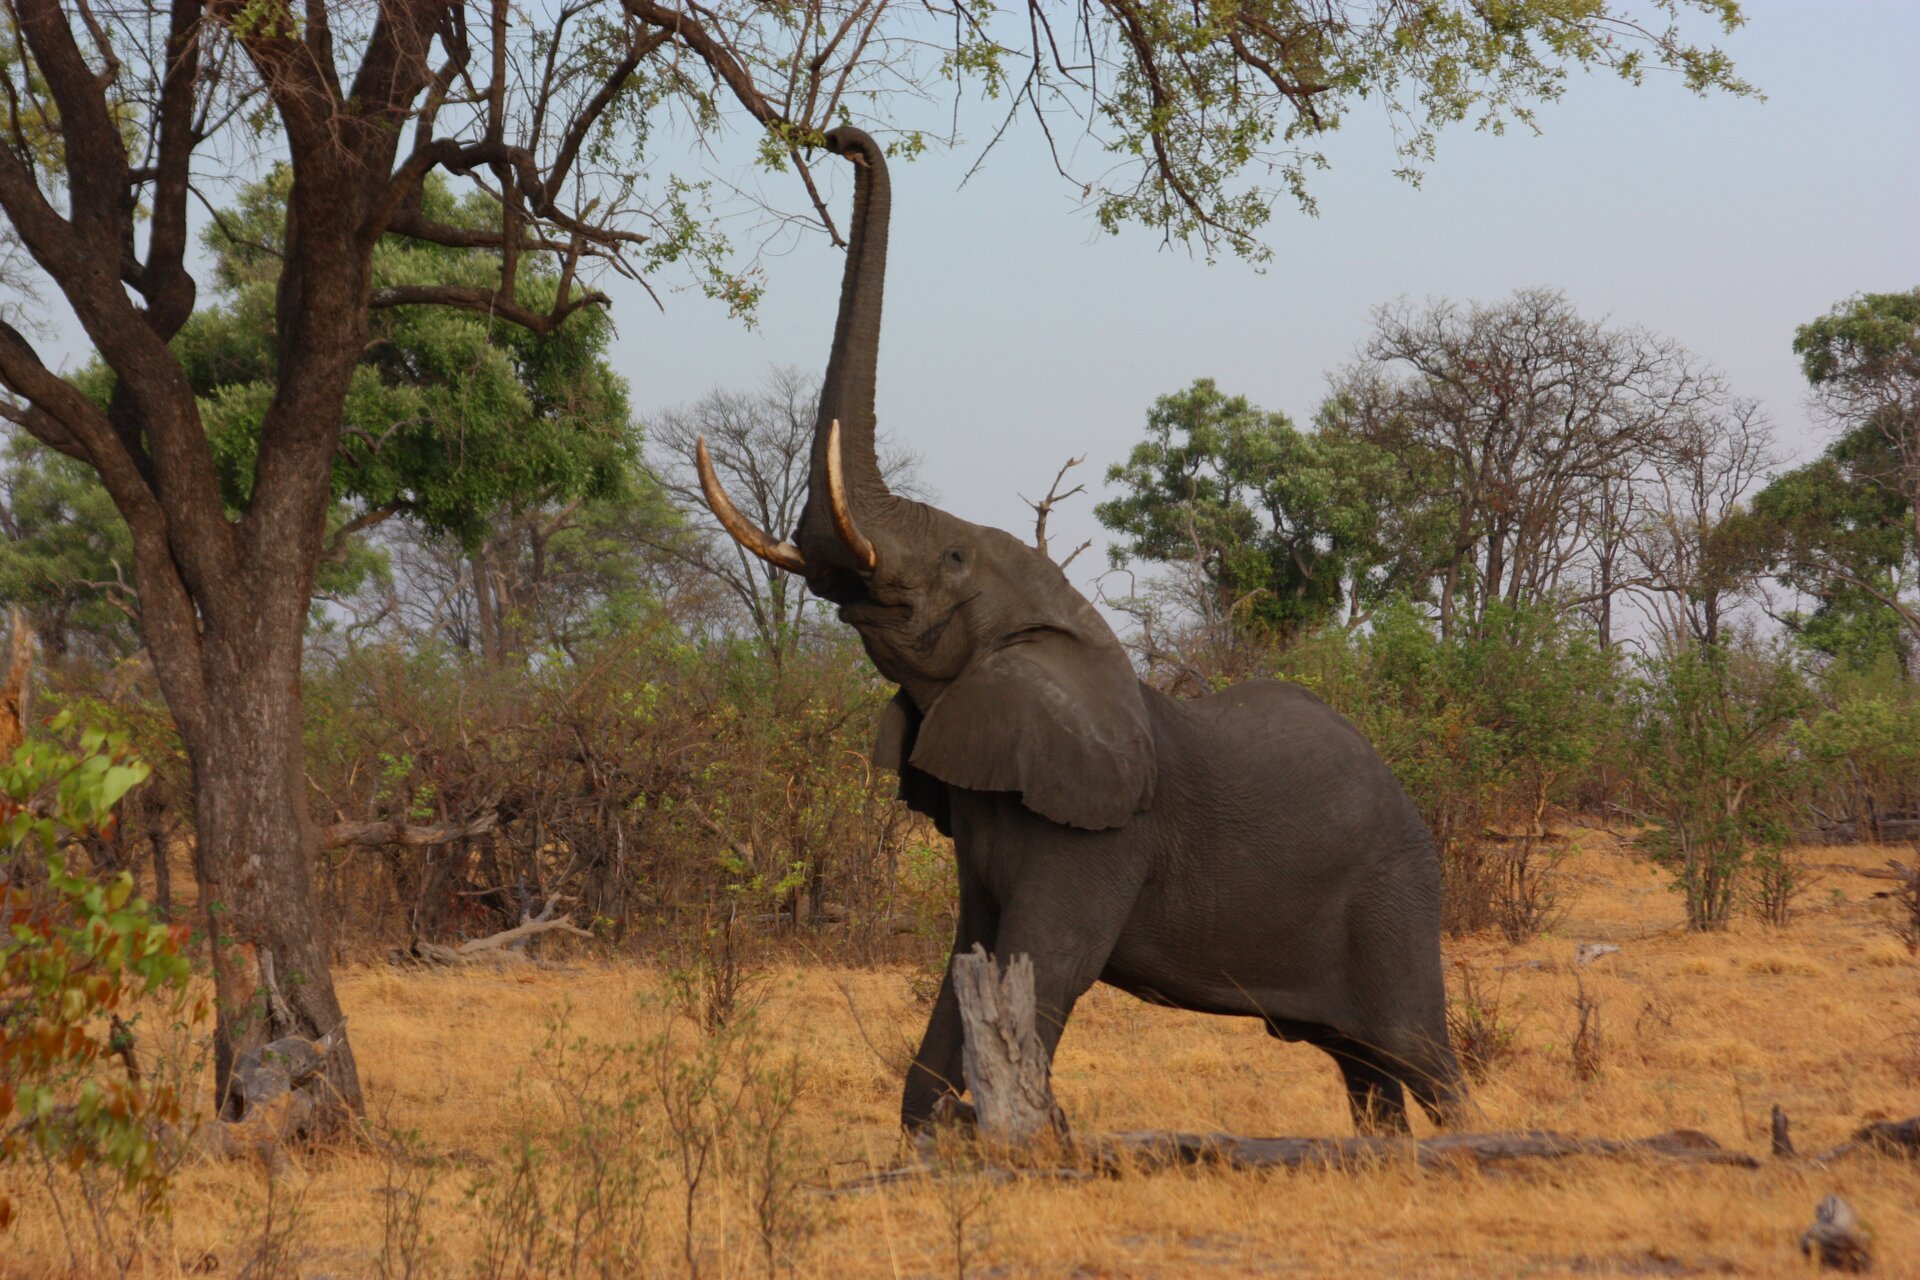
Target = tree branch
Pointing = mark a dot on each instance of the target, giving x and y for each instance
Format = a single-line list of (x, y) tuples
[(487, 302)]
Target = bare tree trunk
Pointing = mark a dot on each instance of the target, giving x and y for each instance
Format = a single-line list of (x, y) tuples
[(255, 845), (484, 608), (1004, 1059)]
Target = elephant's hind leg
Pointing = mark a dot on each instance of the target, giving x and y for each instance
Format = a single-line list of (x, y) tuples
[(1440, 1091), (1425, 1063), (1373, 1093)]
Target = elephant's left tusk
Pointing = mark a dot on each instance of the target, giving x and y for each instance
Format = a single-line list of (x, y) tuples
[(837, 502)]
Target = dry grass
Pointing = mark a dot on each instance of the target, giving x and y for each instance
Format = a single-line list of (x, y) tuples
[(1696, 1032)]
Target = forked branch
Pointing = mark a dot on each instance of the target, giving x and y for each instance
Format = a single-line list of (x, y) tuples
[(1044, 508)]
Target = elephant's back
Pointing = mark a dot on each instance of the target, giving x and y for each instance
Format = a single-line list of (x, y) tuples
[(1268, 734), (1271, 771)]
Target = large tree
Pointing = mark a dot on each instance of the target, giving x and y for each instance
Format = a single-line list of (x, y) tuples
[(115, 118), (1279, 529), (1523, 413), (1845, 528), (483, 437)]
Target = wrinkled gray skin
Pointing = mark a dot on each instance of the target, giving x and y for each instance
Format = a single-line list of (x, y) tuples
[(1246, 853)]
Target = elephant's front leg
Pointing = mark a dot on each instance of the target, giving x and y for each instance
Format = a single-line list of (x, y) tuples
[(1066, 911), (936, 1066)]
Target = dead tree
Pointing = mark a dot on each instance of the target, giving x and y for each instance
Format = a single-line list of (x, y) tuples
[(1044, 508), (1004, 1059), (503, 947)]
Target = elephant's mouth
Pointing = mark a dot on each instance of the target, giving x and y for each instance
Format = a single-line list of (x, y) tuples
[(929, 639), (895, 623), (869, 614)]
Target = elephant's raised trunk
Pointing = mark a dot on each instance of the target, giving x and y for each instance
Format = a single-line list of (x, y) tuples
[(844, 481), (846, 394)]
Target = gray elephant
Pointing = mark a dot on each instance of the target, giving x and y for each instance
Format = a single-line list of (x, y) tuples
[(1246, 853)]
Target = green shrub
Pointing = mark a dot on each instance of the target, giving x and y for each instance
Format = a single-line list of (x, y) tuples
[(81, 962), (1720, 777), (1862, 746)]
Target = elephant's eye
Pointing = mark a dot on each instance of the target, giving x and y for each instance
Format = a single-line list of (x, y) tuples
[(955, 558)]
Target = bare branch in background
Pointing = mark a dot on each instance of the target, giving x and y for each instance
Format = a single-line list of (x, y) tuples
[(1044, 508)]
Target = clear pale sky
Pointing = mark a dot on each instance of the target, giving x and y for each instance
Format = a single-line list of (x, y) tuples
[(1018, 334)]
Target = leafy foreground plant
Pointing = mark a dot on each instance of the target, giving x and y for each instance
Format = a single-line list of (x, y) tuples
[(83, 963)]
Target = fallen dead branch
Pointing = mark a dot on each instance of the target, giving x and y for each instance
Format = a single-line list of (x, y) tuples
[(502, 947), (1887, 1137), (1151, 1150), (342, 834), (1449, 1150)]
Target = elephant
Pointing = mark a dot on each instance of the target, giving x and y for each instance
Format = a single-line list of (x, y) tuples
[(1246, 853)]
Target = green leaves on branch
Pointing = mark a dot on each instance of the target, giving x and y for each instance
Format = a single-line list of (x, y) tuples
[(1201, 95), (66, 552), (451, 415), (79, 960)]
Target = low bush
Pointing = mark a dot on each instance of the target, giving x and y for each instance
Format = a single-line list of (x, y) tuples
[(672, 792)]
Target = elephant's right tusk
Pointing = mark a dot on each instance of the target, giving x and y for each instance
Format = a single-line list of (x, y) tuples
[(783, 555), (843, 524)]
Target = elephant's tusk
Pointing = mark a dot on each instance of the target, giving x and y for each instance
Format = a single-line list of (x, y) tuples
[(783, 555), (837, 502)]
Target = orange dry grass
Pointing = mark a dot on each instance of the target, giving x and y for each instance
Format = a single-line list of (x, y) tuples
[(1697, 1031)]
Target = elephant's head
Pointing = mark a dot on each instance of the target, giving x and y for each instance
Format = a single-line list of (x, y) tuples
[(1010, 680)]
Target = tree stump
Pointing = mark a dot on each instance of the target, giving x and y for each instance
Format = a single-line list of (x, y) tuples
[(1782, 1134), (1835, 1238), (273, 1100), (1004, 1060)]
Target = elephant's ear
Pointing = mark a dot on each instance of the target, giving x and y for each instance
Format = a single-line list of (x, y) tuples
[(1052, 716), (893, 747)]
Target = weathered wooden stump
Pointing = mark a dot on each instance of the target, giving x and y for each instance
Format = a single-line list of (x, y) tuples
[(1004, 1060), (1835, 1238)]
